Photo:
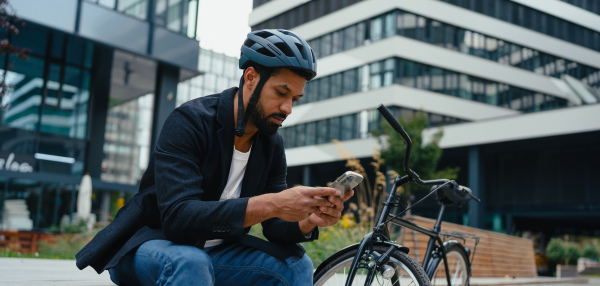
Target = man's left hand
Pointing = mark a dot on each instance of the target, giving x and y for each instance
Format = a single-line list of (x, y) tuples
[(330, 215)]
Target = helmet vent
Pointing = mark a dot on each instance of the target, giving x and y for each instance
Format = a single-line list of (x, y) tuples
[(248, 43), (264, 51), (301, 49), (285, 49), (264, 34)]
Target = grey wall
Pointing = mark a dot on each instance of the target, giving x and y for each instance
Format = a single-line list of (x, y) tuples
[(113, 28), (58, 14), (176, 49)]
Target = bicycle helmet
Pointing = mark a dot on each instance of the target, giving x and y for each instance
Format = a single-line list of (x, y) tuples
[(272, 49)]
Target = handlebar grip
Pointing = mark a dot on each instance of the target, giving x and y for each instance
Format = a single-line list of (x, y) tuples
[(390, 119), (469, 193)]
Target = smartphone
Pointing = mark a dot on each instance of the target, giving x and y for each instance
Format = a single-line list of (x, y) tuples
[(347, 182)]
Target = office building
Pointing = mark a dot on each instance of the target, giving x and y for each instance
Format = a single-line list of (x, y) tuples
[(515, 85)]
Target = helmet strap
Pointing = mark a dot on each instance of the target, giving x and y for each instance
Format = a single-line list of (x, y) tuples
[(241, 123)]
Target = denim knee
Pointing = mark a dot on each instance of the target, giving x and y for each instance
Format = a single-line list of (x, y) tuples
[(305, 266), (182, 265), (190, 258), (305, 263)]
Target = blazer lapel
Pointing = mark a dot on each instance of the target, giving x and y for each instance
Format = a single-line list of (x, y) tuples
[(225, 137)]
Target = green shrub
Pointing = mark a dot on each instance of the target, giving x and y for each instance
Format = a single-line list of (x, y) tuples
[(556, 250), (332, 239), (65, 247), (589, 251), (572, 253)]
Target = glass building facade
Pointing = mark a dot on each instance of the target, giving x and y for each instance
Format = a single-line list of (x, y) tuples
[(348, 127), (89, 99), (536, 20), (220, 72), (421, 76), (466, 41), (48, 107), (179, 16)]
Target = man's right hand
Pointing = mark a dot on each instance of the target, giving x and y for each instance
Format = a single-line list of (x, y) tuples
[(293, 204), (298, 203)]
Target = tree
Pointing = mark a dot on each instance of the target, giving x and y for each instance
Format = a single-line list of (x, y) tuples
[(572, 253), (424, 158), (9, 23), (556, 250), (371, 193), (589, 251)]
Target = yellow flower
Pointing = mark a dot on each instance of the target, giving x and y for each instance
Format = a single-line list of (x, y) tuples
[(347, 221)]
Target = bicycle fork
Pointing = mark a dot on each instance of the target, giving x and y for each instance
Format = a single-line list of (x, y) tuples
[(379, 231), (378, 261)]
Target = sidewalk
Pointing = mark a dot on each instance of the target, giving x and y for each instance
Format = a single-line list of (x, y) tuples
[(38, 272), (538, 281)]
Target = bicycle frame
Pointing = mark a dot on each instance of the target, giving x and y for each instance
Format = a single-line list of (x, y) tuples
[(381, 233)]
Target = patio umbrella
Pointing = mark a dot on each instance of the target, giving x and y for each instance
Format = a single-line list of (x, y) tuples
[(84, 198)]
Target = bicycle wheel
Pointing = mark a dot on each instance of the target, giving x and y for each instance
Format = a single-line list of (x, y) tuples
[(407, 271), (458, 264)]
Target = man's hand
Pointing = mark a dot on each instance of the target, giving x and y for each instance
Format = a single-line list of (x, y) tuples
[(327, 216), (295, 204), (299, 203)]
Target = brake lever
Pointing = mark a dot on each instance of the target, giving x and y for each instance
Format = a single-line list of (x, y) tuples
[(474, 197), (469, 193)]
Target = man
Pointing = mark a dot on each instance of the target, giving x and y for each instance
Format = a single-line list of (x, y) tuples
[(205, 187)]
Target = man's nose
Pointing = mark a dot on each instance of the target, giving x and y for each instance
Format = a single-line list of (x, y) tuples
[(286, 107)]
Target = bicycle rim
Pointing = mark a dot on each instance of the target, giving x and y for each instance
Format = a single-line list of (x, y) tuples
[(338, 273), (457, 266)]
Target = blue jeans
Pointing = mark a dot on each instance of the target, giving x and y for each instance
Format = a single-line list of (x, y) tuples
[(161, 262)]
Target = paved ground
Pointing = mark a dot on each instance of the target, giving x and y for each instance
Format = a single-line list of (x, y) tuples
[(538, 281), (38, 272)]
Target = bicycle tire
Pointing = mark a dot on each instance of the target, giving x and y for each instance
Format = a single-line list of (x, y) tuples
[(408, 271), (458, 264)]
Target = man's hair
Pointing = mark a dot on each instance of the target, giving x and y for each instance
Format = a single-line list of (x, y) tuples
[(275, 71)]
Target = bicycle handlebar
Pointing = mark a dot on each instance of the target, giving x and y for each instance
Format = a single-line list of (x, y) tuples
[(410, 173), (394, 123)]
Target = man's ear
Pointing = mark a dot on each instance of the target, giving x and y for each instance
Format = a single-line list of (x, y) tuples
[(251, 77)]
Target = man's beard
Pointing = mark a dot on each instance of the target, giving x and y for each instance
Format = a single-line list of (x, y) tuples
[(262, 122)]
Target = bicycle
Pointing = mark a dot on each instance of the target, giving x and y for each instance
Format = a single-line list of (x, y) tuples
[(378, 258)]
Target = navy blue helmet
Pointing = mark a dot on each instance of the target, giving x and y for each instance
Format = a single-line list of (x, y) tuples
[(278, 48), (272, 49)]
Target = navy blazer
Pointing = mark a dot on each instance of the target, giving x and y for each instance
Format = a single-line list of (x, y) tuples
[(178, 198)]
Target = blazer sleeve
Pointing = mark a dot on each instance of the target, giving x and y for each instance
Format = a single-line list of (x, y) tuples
[(276, 229), (185, 217)]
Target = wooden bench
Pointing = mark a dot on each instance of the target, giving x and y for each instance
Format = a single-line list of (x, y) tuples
[(19, 241), (496, 255)]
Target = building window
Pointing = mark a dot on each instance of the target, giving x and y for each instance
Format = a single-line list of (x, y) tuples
[(348, 127), (376, 29), (445, 35)]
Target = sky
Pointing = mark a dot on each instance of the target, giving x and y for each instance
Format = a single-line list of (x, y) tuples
[(223, 25)]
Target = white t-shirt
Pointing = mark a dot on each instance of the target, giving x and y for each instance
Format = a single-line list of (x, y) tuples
[(233, 188)]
